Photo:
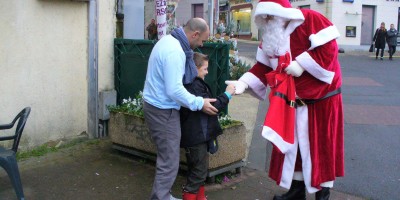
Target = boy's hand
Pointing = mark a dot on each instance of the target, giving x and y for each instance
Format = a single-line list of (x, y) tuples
[(240, 86), (208, 108), (230, 89)]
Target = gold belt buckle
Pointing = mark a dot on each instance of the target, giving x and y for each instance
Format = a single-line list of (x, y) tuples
[(292, 104)]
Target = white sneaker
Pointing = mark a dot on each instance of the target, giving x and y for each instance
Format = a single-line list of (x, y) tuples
[(173, 198)]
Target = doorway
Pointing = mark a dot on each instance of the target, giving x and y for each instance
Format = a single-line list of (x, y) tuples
[(367, 24)]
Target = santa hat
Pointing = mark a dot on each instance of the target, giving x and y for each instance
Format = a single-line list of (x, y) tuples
[(280, 8)]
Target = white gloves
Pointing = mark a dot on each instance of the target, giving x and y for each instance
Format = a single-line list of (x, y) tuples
[(240, 86), (294, 69)]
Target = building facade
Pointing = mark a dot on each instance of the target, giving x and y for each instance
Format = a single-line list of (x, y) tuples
[(356, 20)]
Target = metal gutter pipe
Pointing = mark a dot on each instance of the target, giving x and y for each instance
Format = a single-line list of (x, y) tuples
[(92, 102)]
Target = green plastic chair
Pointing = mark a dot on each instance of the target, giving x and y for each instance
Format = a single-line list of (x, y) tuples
[(7, 156)]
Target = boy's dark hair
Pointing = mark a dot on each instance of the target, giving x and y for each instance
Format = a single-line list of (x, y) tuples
[(199, 58)]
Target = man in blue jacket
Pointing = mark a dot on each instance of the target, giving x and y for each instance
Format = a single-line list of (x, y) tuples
[(170, 66)]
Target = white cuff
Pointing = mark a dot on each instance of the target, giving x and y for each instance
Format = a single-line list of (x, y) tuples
[(258, 88), (312, 67)]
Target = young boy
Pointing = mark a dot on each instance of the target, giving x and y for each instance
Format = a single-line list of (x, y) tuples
[(198, 129)]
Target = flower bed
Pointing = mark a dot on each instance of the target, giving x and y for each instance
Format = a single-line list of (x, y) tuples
[(129, 133)]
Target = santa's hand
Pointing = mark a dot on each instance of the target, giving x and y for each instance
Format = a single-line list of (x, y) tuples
[(294, 69), (240, 86)]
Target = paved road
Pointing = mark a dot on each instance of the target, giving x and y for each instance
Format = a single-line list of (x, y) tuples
[(371, 95)]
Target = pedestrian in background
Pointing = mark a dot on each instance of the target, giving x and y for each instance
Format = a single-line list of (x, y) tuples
[(380, 40), (200, 131), (170, 66), (392, 40), (152, 30)]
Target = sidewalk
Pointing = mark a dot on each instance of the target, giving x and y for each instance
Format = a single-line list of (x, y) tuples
[(93, 170)]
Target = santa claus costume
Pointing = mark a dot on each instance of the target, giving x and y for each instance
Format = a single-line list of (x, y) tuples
[(315, 153)]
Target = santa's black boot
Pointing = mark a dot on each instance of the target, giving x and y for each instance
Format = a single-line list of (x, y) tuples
[(297, 191), (323, 194)]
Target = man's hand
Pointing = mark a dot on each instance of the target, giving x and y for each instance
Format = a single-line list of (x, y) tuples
[(208, 108), (294, 69), (240, 86)]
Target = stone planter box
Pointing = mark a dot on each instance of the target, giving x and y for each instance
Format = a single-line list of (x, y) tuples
[(130, 134)]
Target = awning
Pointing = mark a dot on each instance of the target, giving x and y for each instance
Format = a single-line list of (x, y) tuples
[(241, 6)]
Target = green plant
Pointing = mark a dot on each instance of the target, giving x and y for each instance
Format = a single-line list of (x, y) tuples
[(237, 69), (36, 152), (130, 106), (224, 120), (254, 39), (49, 148)]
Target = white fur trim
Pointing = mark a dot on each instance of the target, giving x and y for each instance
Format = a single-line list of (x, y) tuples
[(274, 63), (312, 67), (258, 88), (262, 57), (289, 165), (304, 145), (301, 141), (323, 36), (328, 184), (275, 138), (295, 16)]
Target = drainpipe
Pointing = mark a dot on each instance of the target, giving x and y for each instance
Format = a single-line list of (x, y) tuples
[(93, 120)]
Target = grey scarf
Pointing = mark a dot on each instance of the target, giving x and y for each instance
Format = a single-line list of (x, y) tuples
[(190, 67)]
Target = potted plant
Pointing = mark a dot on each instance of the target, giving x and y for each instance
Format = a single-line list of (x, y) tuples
[(129, 133)]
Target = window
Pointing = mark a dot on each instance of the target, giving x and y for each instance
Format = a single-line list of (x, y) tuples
[(351, 31)]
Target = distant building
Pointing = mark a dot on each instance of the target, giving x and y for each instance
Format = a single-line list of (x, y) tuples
[(355, 20)]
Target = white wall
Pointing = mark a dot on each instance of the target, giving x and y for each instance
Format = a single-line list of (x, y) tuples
[(347, 14), (107, 33), (386, 11), (43, 64)]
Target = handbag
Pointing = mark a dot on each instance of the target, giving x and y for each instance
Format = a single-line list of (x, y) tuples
[(372, 48)]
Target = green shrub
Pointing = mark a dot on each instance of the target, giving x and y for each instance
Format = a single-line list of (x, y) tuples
[(237, 69), (130, 106)]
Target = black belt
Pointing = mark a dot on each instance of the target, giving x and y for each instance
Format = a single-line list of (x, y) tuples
[(303, 102)]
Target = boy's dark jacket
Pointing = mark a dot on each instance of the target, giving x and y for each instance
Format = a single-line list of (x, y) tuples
[(198, 127)]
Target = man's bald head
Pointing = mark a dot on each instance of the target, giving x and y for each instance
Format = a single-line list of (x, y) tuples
[(197, 31), (196, 24)]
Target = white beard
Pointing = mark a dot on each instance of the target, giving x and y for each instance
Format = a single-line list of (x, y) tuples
[(274, 41)]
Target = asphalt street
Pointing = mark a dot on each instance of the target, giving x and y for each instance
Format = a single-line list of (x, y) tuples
[(372, 125)]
